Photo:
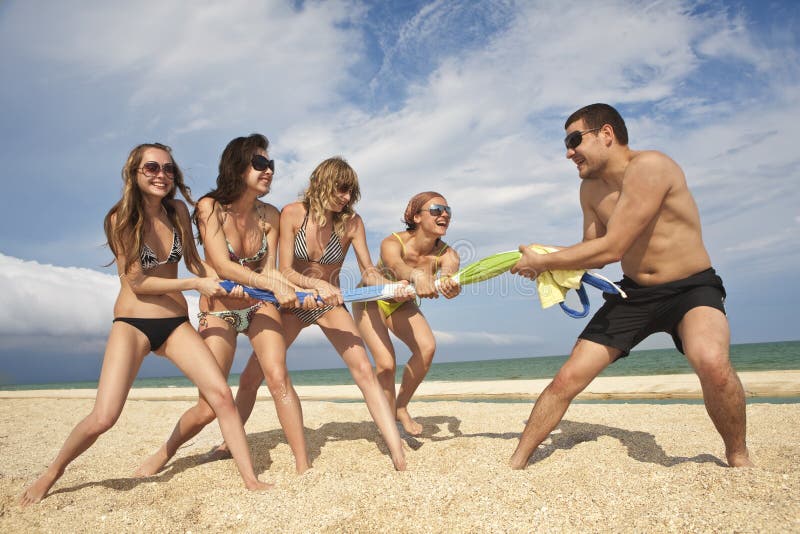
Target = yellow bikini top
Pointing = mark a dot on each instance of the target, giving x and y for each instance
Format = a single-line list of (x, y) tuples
[(390, 275)]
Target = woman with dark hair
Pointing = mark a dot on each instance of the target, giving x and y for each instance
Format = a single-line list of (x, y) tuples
[(150, 314), (316, 233), (418, 254), (239, 234)]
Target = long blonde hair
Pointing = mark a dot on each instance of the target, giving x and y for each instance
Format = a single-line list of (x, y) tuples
[(330, 176), (125, 236)]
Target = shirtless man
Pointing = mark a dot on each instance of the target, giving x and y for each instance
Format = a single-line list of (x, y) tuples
[(637, 209)]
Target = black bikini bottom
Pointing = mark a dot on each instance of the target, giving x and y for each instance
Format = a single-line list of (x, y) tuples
[(156, 330)]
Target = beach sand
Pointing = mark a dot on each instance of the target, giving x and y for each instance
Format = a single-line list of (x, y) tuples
[(607, 467)]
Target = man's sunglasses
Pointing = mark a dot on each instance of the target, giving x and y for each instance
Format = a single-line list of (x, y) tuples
[(260, 163), (151, 168), (437, 209), (574, 139)]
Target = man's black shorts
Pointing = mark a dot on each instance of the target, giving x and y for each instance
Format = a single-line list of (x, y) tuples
[(622, 323)]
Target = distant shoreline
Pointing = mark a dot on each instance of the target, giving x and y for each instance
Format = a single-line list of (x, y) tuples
[(748, 357), (676, 386)]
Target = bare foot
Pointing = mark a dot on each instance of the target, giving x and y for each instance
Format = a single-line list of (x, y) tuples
[(153, 464), (216, 454), (302, 468), (258, 485), (36, 491), (517, 463), (399, 463), (409, 425), (740, 460)]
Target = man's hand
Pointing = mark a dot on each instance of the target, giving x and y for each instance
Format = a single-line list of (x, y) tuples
[(531, 264)]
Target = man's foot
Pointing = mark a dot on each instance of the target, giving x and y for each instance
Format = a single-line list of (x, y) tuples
[(409, 425), (216, 454), (740, 459), (517, 462), (36, 491), (153, 464)]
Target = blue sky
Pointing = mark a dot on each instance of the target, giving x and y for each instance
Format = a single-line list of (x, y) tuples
[(467, 98)]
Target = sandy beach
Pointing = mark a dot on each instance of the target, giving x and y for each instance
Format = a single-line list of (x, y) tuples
[(607, 467)]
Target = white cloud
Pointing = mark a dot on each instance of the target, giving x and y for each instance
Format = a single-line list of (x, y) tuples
[(197, 64), (763, 244), (47, 304), (733, 40), (50, 300), (484, 339), (64, 308), (477, 116), (484, 127)]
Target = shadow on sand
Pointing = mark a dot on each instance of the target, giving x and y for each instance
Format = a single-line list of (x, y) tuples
[(641, 446)]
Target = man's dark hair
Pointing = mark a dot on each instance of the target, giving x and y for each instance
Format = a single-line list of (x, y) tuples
[(597, 115)]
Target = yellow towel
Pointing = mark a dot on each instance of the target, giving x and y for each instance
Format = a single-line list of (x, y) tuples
[(553, 285)]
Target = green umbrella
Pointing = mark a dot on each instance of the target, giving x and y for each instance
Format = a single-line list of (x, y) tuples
[(487, 267)]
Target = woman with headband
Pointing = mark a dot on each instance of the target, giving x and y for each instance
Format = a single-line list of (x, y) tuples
[(417, 254)]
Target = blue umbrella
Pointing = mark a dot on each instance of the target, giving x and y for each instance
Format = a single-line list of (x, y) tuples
[(359, 294)]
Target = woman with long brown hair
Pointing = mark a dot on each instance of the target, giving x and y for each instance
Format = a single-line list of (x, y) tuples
[(239, 234), (316, 234), (151, 314)]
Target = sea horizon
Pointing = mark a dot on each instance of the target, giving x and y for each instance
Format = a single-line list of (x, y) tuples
[(763, 356)]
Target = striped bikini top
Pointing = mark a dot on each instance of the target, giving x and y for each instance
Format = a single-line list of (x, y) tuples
[(150, 261), (332, 255)]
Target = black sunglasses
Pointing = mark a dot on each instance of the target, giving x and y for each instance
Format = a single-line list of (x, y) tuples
[(151, 168), (574, 139), (260, 163), (437, 209)]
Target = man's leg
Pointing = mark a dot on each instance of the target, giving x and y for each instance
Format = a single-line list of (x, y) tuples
[(588, 359), (705, 336)]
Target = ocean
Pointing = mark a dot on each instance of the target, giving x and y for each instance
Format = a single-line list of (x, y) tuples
[(774, 356)]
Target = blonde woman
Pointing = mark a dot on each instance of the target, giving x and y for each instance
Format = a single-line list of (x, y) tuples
[(239, 234), (417, 254), (148, 232), (316, 234)]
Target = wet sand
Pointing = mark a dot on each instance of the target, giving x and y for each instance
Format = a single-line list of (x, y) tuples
[(607, 467)]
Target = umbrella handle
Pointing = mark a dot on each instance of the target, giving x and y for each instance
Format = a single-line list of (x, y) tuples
[(438, 282), (584, 302), (262, 294), (602, 283)]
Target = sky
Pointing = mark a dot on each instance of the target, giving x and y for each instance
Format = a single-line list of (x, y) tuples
[(465, 98)]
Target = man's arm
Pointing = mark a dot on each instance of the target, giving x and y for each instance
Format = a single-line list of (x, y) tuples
[(645, 185), (593, 227)]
